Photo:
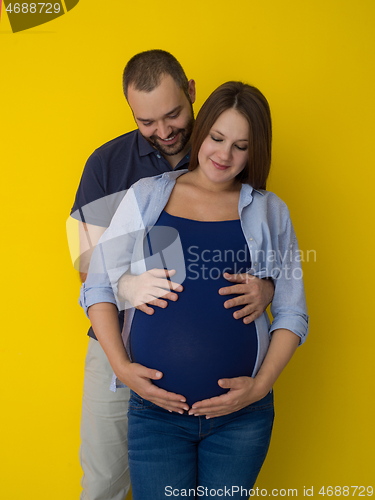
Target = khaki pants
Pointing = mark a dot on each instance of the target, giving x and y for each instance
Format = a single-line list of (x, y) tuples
[(104, 428)]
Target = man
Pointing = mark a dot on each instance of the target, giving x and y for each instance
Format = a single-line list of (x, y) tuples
[(161, 99)]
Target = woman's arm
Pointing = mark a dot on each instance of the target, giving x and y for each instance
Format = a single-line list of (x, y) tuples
[(290, 320), (247, 390), (104, 320)]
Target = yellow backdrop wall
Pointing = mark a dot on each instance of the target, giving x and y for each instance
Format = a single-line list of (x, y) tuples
[(61, 97)]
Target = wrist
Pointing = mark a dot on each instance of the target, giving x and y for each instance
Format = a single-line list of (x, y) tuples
[(122, 370), (123, 286), (262, 386)]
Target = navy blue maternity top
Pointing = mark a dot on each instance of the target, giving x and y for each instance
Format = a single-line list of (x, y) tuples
[(195, 341)]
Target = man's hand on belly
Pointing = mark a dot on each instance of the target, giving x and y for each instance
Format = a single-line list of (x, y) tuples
[(151, 288), (254, 294)]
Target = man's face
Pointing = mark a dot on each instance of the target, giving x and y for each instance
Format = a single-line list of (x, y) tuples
[(164, 116)]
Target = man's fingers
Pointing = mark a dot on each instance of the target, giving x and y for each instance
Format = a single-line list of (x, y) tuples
[(171, 296), (165, 283), (175, 286), (232, 290), (245, 311), (165, 275), (157, 302), (248, 313), (168, 285), (146, 309), (162, 273), (241, 300), (238, 278), (156, 297), (251, 317)]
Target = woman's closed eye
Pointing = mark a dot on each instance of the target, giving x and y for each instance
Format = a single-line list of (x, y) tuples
[(216, 139)]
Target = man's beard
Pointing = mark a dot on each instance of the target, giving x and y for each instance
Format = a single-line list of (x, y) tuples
[(177, 147)]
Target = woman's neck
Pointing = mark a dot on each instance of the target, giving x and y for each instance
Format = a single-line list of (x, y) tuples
[(201, 182), (192, 200)]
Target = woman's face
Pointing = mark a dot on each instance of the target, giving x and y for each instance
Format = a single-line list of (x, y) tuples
[(224, 152)]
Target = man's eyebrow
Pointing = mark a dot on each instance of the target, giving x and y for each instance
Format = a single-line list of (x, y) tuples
[(220, 133), (172, 112)]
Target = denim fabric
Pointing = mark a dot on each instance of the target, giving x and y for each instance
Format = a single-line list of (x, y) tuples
[(266, 225), (170, 453)]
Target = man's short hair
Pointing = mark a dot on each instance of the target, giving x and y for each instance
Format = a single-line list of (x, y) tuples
[(145, 70)]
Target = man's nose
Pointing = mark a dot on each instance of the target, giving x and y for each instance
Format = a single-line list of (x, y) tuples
[(164, 130)]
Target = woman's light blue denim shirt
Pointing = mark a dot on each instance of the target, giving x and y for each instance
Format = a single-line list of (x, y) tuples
[(267, 228)]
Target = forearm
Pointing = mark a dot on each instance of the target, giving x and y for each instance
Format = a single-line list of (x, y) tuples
[(104, 319), (282, 347), (105, 323), (89, 236)]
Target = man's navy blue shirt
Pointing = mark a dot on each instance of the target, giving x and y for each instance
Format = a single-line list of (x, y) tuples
[(113, 168)]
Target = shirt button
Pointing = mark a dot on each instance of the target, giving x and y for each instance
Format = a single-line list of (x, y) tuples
[(158, 156), (250, 239)]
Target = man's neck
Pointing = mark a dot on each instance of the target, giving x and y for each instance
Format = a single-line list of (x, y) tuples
[(174, 160)]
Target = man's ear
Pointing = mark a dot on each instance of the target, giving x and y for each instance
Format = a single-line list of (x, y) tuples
[(191, 91)]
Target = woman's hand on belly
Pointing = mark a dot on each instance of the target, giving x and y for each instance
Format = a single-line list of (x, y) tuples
[(139, 379), (243, 391)]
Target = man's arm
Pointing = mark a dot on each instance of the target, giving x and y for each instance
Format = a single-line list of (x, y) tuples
[(89, 236), (139, 291)]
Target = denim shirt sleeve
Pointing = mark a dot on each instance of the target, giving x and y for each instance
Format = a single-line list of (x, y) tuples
[(274, 252), (288, 306), (120, 248), (97, 287), (113, 256)]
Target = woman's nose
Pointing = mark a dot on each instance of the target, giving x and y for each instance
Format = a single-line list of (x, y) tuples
[(225, 153)]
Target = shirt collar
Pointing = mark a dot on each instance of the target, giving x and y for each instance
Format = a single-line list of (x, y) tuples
[(246, 195), (144, 147)]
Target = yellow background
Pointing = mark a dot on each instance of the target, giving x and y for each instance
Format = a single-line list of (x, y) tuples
[(61, 97)]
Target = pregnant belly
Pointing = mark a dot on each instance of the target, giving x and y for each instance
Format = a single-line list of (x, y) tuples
[(194, 346)]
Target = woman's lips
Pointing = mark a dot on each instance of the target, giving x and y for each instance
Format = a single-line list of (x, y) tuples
[(219, 166)]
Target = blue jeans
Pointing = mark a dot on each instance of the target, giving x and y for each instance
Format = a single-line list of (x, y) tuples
[(181, 455)]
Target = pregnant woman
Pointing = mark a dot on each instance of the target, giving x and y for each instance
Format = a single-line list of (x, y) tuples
[(198, 224)]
